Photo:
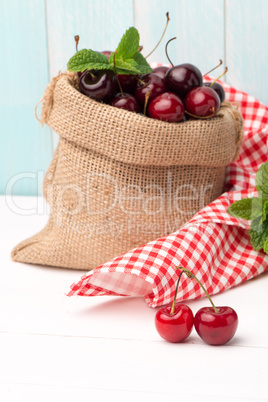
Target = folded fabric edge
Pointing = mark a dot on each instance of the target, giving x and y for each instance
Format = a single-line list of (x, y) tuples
[(134, 283)]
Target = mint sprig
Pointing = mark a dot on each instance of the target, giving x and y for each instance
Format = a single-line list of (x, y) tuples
[(255, 209), (128, 59), (87, 59)]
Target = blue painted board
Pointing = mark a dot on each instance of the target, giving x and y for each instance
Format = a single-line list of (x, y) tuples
[(100, 25), (37, 40), (246, 46), (198, 26), (25, 147)]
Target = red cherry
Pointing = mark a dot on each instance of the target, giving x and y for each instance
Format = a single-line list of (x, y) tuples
[(217, 88), (183, 78), (160, 71), (149, 83), (216, 328), (166, 107), (174, 327), (128, 82), (125, 101), (215, 325), (202, 102), (98, 85)]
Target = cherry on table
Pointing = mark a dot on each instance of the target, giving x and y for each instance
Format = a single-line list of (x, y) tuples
[(174, 323), (175, 327), (166, 107), (216, 328), (215, 325)]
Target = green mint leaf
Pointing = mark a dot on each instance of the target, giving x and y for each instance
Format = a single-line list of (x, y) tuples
[(262, 181), (241, 209), (265, 210), (129, 44), (87, 59), (256, 224), (257, 207), (135, 65), (127, 64), (259, 233), (142, 64), (265, 246), (124, 66)]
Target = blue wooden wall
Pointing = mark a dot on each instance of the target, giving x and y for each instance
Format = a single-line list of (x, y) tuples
[(37, 41)]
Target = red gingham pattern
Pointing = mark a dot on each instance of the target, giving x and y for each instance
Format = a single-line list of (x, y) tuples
[(213, 245)]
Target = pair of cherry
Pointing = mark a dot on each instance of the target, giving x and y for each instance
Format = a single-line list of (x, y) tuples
[(215, 325)]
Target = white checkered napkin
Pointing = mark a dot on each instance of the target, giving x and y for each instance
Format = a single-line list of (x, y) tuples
[(213, 245)]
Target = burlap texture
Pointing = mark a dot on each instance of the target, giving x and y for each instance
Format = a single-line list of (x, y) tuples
[(118, 179)]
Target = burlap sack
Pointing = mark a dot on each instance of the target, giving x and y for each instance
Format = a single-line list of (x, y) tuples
[(119, 179)]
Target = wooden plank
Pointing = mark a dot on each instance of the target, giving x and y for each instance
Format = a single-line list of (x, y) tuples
[(133, 366), (28, 307), (43, 393), (198, 26), (53, 347), (246, 47), (100, 25), (26, 148)]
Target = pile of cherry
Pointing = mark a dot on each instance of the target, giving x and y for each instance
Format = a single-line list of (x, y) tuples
[(169, 94), (215, 325)]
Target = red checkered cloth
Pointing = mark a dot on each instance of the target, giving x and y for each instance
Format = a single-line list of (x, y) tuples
[(213, 245)]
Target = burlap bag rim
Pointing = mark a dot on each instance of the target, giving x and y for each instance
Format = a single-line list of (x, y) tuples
[(135, 139)]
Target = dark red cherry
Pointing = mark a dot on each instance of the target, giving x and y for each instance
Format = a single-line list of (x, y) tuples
[(167, 107), (160, 71), (125, 101), (202, 102), (183, 78), (216, 328), (149, 82), (128, 82), (217, 88), (98, 85)]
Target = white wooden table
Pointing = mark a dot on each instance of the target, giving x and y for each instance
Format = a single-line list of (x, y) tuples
[(55, 348)]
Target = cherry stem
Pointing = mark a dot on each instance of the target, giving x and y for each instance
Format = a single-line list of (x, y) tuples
[(167, 51), (76, 38), (142, 82), (91, 75), (147, 96), (118, 82), (175, 296), (191, 275), (210, 71), (225, 71), (168, 19)]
